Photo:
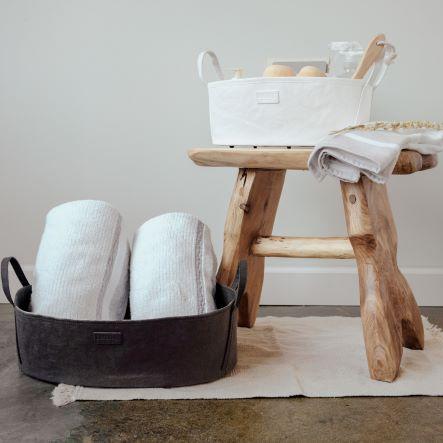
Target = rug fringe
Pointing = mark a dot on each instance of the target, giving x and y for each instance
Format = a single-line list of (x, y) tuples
[(63, 395), (434, 330), (273, 364)]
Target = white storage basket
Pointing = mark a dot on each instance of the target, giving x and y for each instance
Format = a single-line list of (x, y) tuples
[(287, 111)]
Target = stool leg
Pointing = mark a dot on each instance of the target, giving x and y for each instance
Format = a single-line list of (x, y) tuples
[(390, 316), (251, 214)]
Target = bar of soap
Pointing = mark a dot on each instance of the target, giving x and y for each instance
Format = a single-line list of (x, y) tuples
[(310, 71), (278, 71)]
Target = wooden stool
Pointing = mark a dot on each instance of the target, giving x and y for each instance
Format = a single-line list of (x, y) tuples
[(390, 315)]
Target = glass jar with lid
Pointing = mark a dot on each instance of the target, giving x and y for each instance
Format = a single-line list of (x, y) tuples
[(344, 58)]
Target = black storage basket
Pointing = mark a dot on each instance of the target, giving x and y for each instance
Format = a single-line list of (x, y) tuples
[(156, 353)]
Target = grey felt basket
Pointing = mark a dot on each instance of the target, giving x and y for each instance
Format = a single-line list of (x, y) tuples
[(157, 353)]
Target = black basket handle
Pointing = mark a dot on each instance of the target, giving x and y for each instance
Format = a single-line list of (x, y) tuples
[(5, 276), (239, 283)]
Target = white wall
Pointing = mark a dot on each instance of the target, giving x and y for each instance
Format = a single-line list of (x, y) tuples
[(100, 99)]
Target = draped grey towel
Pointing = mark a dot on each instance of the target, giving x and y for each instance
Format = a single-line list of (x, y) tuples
[(374, 153)]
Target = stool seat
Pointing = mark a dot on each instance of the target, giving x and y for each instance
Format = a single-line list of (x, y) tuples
[(294, 159)]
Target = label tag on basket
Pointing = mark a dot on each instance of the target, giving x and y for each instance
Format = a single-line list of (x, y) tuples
[(267, 96), (108, 338)]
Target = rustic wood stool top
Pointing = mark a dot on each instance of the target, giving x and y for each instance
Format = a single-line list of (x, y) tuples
[(390, 316), (294, 158)]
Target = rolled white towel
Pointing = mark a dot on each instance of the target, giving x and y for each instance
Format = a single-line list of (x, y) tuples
[(81, 271), (173, 268)]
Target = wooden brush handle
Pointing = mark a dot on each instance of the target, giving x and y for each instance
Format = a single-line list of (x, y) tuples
[(371, 54)]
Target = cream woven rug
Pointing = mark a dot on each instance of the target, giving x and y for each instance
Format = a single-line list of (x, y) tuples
[(286, 356)]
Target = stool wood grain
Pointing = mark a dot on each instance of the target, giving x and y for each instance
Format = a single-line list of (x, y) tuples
[(251, 214), (390, 316), (303, 247)]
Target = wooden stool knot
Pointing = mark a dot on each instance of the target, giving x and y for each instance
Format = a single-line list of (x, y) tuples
[(244, 206)]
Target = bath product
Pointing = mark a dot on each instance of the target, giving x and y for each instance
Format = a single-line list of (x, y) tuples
[(278, 71), (344, 58), (310, 71), (173, 268), (236, 72), (81, 271)]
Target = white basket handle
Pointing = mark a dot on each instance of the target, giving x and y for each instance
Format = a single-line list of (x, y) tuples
[(381, 65), (215, 63), (378, 72)]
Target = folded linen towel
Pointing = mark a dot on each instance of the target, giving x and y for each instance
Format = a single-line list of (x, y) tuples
[(374, 153), (173, 268), (81, 271)]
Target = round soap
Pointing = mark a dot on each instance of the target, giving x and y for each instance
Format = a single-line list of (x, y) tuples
[(310, 71), (278, 71)]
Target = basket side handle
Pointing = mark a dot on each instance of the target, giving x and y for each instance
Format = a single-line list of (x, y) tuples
[(239, 283), (238, 286), (386, 58), (215, 63), (5, 276)]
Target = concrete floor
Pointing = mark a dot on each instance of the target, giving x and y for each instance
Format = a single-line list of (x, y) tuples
[(26, 413)]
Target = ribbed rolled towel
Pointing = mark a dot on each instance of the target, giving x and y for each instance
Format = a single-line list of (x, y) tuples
[(81, 271), (173, 268)]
